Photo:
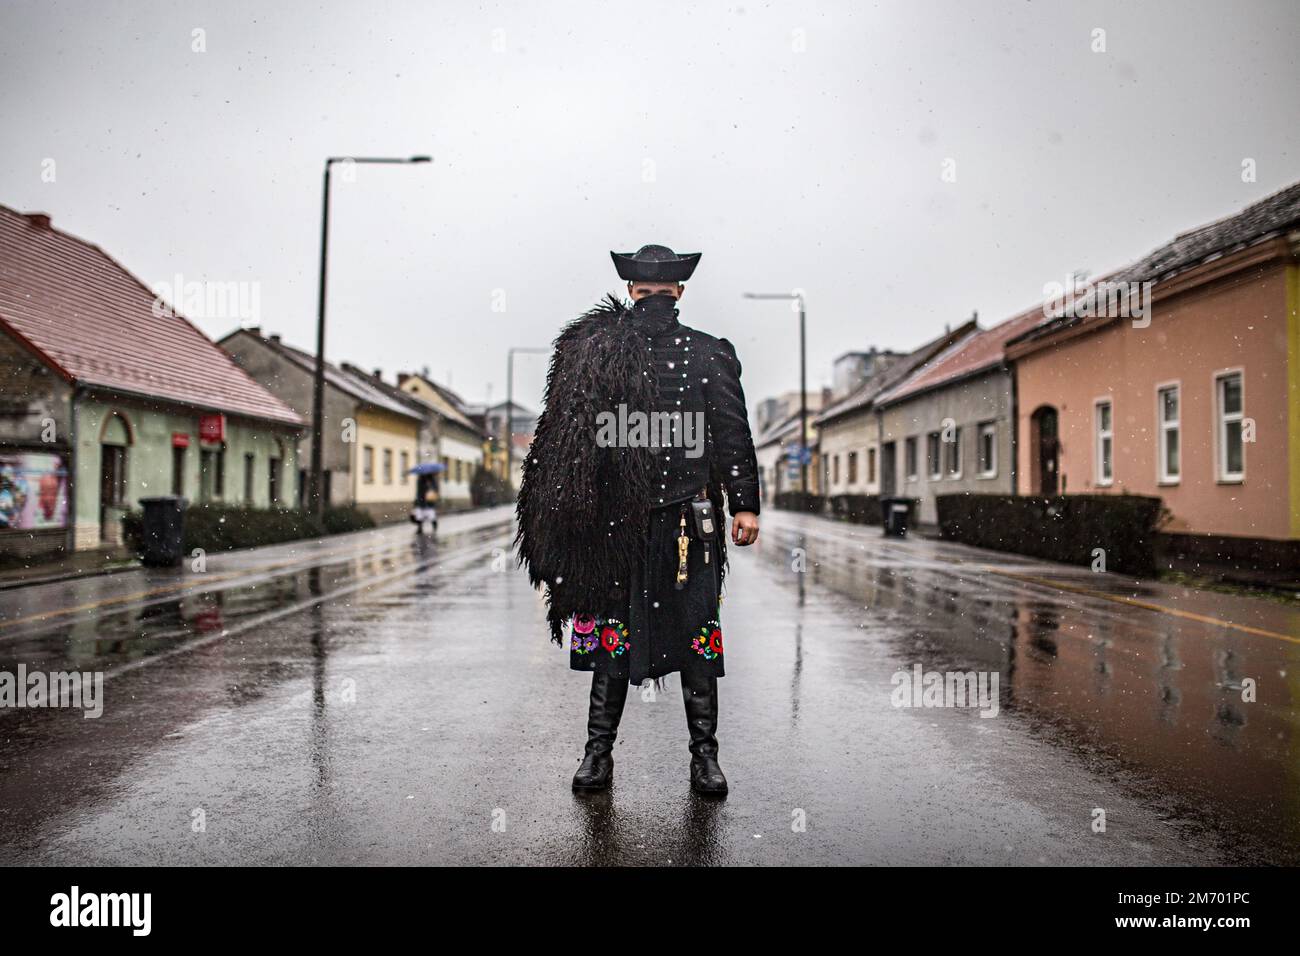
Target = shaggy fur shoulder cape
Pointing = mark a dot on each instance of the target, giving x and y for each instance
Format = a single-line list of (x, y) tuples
[(583, 509)]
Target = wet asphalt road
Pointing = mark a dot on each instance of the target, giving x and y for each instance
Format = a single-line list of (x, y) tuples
[(364, 699)]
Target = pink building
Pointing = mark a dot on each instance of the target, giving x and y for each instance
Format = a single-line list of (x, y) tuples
[(1196, 400)]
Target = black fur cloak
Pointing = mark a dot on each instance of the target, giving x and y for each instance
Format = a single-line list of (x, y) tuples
[(583, 509)]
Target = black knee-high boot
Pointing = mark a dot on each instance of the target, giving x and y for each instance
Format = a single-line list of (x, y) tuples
[(701, 697), (608, 695)]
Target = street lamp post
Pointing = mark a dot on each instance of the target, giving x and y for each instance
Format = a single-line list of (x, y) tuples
[(803, 383), (510, 408), (315, 495)]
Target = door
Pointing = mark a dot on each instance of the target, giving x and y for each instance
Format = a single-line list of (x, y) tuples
[(1047, 449), (112, 489), (888, 477)]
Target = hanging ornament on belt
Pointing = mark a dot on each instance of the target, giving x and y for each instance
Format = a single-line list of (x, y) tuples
[(683, 545)]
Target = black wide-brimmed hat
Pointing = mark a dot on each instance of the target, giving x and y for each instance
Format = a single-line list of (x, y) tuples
[(655, 264)]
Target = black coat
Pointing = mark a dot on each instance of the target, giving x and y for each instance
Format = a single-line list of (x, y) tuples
[(699, 373), (584, 507)]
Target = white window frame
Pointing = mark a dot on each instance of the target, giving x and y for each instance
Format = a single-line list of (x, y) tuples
[(934, 469), (1163, 428), (983, 428), (1098, 436), (1221, 421), (955, 447)]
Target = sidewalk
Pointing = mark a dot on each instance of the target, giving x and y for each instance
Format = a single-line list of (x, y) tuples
[(83, 564), (76, 565), (1198, 571), (36, 602)]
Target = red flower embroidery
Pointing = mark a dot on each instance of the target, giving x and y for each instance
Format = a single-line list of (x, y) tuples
[(708, 642), (609, 638)]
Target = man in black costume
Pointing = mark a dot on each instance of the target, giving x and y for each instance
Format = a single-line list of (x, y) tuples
[(622, 523)]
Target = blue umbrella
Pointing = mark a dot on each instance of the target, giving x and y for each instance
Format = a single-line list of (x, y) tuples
[(427, 468)]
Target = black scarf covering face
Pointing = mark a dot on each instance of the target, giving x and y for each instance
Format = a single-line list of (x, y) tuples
[(582, 509)]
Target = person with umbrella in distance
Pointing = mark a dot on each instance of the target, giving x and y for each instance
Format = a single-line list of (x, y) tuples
[(424, 512)]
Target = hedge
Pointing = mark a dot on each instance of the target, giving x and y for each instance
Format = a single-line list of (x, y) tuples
[(215, 527), (344, 518), (859, 509), (1066, 528), (798, 501)]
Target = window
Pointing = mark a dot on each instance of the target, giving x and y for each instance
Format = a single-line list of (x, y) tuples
[(871, 466), (212, 473), (952, 452), (273, 481), (853, 468), (934, 467), (368, 465), (1230, 402), (388, 466), (406, 467), (178, 471), (1105, 442), (835, 469), (987, 450), (1167, 412), (909, 457), (248, 479)]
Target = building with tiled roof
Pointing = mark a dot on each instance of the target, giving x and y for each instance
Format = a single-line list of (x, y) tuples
[(464, 443), (949, 426), (849, 429), (779, 447), (108, 395), (98, 326), (1193, 396), (370, 435)]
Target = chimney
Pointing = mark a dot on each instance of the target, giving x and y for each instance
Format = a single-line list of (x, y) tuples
[(37, 220), (402, 377), (379, 374), (275, 337)]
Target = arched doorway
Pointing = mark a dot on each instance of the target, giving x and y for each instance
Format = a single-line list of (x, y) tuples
[(1045, 450)]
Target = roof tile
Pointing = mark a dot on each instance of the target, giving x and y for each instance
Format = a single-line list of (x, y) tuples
[(95, 322)]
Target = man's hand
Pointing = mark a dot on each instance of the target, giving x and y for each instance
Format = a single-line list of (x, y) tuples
[(744, 528)]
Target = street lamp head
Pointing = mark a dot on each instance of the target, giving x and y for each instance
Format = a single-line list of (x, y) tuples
[(421, 159)]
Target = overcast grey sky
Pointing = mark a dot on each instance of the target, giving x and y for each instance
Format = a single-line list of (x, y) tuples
[(797, 145)]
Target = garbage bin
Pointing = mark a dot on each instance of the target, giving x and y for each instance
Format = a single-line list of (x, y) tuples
[(163, 530), (896, 515)]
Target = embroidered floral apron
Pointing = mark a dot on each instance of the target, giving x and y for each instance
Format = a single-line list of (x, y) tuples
[(651, 628)]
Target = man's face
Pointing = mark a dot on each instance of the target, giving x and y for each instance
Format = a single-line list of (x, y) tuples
[(639, 290)]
